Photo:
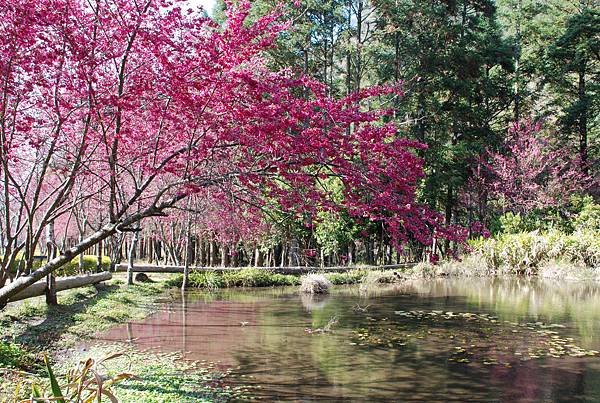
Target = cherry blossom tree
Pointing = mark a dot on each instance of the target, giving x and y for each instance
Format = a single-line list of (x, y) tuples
[(137, 104), (529, 173)]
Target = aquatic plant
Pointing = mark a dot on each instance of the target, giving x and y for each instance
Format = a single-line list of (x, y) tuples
[(469, 338), (314, 284)]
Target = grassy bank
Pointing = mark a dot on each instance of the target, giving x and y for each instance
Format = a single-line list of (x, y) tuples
[(253, 277), (80, 314), (31, 329)]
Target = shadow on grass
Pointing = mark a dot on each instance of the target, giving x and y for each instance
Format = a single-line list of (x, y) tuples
[(59, 319)]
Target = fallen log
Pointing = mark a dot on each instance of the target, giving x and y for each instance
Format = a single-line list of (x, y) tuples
[(145, 268), (62, 284)]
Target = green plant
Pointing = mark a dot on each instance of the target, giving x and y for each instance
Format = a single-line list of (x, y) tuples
[(90, 263), (83, 383), (13, 356), (349, 277)]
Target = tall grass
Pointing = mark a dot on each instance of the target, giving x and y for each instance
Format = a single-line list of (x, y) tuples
[(525, 253)]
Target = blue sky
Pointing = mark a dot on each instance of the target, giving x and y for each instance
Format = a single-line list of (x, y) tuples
[(207, 4)]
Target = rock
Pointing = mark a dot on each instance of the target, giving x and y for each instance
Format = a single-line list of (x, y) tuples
[(142, 278)]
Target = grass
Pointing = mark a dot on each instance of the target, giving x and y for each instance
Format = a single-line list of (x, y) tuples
[(30, 329), (15, 357), (525, 253), (163, 377), (253, 277), (81, 313)]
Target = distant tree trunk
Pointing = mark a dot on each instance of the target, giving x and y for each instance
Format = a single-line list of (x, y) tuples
[(99, 258), (359, 22), (294, 255), (81, 263), (203, 253), (131, 257), (224, 255), (51, 298), (150, 250), (213, 253), (350, 252), (283, 255), (258, 258), (583, 107)]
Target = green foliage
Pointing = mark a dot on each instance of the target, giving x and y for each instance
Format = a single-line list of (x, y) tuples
[(206, 279), (349, 277), (14, 356), (82, 383), (70, 269), (588, 217), (256, 277), (512, 223), (582, 213), (89, 265)]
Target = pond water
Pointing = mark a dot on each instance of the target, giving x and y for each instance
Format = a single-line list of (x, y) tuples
[(436, 340)]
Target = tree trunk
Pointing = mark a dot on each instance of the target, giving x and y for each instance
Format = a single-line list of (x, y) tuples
[(99, 258), (131, 257), (51, 298), (583, 107)]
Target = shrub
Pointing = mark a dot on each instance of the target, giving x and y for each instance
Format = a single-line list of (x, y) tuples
[(314, 284), (349, 277), (471, 265), (89, 265), (205, 279)]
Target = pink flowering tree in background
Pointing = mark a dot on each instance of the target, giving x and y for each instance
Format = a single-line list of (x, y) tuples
[(123, 109), (528, 174)]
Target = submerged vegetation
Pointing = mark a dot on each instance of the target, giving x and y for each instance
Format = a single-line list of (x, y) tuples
[(477, 341)]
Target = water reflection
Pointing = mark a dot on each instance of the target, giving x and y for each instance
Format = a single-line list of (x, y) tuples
[(263, 335)]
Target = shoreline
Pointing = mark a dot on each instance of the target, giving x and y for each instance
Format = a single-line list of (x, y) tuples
[(29, 329)]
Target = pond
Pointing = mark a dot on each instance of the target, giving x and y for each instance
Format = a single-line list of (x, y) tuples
[(431, 340)]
